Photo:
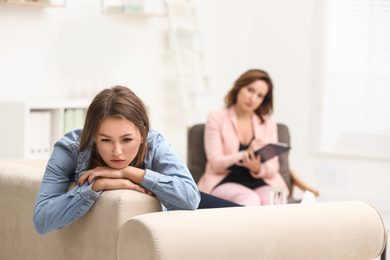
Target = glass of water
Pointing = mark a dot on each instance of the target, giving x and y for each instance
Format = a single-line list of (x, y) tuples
[(277, 195)]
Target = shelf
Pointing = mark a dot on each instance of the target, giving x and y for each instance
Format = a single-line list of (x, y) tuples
[(185, 5), (188, 51), (140, 14), (191, 75), (37, 104), (144, 8), (185, 43), (186, 29), (36, 3), (37, 125)]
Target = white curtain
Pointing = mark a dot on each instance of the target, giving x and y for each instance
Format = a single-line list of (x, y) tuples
[(351, 97)]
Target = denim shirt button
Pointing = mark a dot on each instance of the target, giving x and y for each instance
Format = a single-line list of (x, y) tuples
[(93, 197), (78, 168)]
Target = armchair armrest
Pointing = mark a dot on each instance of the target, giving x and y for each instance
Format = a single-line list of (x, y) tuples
[(296, 181)]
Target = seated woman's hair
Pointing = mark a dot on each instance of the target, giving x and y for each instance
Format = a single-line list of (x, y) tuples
[(244, 80)]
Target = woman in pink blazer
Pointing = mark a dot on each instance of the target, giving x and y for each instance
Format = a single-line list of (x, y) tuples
[(231, 137)]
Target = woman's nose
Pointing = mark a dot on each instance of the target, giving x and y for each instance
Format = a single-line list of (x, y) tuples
[(117, 150), (253, 98)]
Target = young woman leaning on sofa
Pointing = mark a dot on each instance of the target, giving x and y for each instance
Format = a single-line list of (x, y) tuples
[(115, 150)]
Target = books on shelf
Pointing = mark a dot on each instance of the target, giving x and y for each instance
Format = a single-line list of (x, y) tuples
[(146, 7), (39, 134), (266, 152), (73, 118)]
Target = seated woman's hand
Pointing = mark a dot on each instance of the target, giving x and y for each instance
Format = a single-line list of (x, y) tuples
[(252, 162), (256, 144)]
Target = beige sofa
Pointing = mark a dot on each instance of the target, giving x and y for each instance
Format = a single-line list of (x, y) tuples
[(128, 225)]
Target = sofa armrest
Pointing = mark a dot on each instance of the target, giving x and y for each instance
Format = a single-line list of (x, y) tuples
[(337, 230), (93, 236)]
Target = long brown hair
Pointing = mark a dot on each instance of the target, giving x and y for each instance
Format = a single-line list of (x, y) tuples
[(244, 80), (118, 102)]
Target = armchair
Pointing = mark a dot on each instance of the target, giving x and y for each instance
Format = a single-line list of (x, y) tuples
[(196, 159)]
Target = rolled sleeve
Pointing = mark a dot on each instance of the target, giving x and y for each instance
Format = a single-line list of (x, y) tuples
[(168, 177), (56, 206)]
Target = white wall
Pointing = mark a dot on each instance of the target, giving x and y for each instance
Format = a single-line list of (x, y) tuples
[(75, 51), (278, 36)]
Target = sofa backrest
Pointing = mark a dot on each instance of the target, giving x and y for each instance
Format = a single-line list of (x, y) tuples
[(93, 236)]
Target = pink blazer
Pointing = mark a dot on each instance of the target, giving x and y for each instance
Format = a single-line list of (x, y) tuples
[(222, 148)]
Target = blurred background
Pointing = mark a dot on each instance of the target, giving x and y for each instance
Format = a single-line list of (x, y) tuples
[(329, 60)]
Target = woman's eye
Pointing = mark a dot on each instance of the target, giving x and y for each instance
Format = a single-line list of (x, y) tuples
[(127, 139), (105, 140), (250, 90)]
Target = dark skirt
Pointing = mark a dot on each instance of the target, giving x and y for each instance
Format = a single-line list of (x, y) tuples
[(242, 176)]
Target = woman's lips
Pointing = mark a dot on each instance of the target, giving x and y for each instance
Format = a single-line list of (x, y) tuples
[(117, 160)]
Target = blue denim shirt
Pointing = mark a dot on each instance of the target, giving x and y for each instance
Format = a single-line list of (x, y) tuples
[(166, 175)]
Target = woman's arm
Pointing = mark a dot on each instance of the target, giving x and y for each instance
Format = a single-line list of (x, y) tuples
[(271, 167), (168, 177), (55, 207), (102, 183), (214, 145), (107, 178)]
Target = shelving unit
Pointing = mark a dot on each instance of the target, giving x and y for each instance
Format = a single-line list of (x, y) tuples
[(141, 8), (38, 3), (185, 47), (18, 126)]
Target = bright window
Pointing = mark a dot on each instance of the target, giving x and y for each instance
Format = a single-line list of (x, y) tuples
[(351, 100)]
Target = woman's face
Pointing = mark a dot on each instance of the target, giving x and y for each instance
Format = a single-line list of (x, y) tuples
[(118, 142), (250, 97)]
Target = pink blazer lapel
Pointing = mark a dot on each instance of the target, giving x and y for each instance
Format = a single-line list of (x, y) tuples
[(259, 131), (233, 118), (232, 142)]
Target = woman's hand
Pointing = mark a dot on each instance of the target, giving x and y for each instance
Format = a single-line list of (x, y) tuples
[(102, 171), (256, 144), (107, 178), (102, 183), (252, 162)]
